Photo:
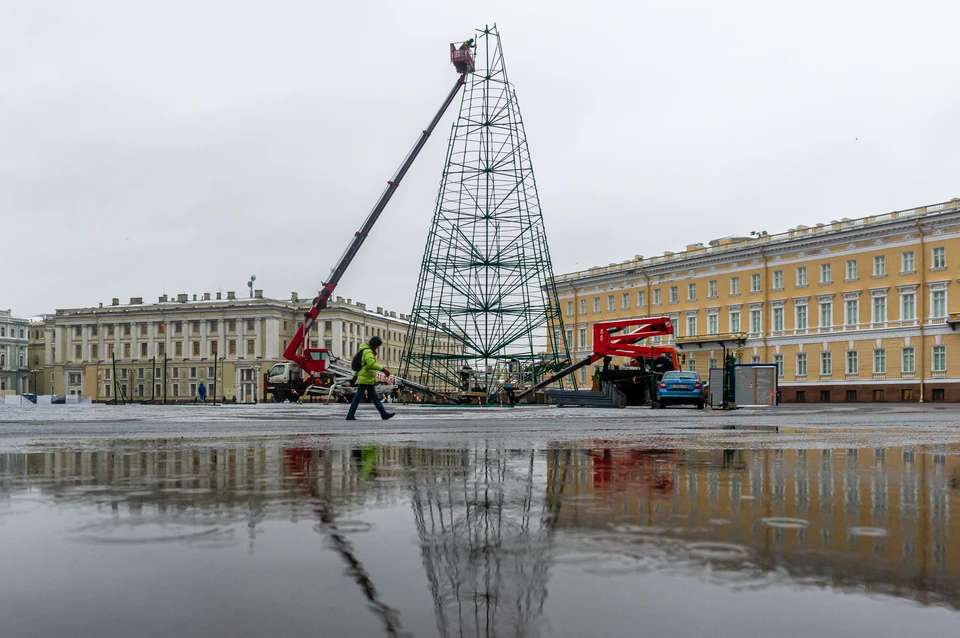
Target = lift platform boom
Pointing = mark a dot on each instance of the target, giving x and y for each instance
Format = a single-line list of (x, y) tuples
[(610, 340), (313, 360)]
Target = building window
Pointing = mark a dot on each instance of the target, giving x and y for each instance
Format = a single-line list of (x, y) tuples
[(611, 304), (196, 348), (123, 373), (110, 330), (801, 317), (734, 320), (249, 325), (691, 325), (908, 306), (938, 394), (78, 352), (210, 372), (583, 375), (583, 338), (691, 365), (801, 276), (213, 326), (939, 358), (568, 333), (754, 283), (126, 351), (193, 373), (94, 352), (938, 302), (178, 327), (939, 258), (691, 292), (824, 396), (94, 331), (178, 349), (77, 332), (826, 275), (712, 289), (569, 308), (583, 306), (161, 328), (777, 279), (126, 330), (879, 309), (110, 347), (851, 395), (641, 299), (214, 347), (826, 314), (143, 349), (755, 359), (879, 266), (777, 319), (195, 327), (852, 316), (674, 294), (625, 301), (756, 324), (232, 325), (712, 323), (778, 361), (139, 373), (907, 262), (596, 304), (851, 270), (656, 297), (143, 330), (734, 285), (802, 364), (852, 363), (879, 361), (161, 350), (826, 364), (711, 363), (232, 347), (908, 361)]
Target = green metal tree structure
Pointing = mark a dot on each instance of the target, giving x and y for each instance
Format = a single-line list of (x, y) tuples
[(486, 280)]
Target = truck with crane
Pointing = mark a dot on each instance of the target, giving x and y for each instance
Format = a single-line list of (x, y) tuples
[(309, 371)]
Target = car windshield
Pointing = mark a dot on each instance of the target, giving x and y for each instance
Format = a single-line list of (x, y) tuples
[(681, 375)]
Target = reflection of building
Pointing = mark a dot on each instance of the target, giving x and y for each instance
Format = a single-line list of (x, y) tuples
[(245, 335), (879, 517), (853, 310)]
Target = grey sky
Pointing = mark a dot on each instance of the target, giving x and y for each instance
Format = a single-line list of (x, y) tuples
[(180, 146)]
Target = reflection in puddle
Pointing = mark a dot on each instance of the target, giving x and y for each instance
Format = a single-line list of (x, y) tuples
[(492, 534)]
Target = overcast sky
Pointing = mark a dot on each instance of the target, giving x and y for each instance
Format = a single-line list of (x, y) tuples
[(180, 146)]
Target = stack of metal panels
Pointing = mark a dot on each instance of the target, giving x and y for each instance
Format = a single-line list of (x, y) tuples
[(611, 397)]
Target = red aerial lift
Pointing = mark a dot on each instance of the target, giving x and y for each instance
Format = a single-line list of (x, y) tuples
[(610, 340), (312, 362)]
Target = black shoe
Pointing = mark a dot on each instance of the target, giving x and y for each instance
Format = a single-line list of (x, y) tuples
[(388, 415), (351, 418)]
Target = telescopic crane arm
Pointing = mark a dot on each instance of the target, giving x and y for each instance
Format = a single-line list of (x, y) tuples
[(293, 351)]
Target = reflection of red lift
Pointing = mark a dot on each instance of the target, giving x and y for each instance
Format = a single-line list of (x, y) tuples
[(462, 57)]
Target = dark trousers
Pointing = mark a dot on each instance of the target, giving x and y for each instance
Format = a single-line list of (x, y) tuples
[(358, 397)]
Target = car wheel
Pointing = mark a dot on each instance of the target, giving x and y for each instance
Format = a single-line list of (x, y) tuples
[(279, 396)]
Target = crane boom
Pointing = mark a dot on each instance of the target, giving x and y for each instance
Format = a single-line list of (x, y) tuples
[(292, 352)]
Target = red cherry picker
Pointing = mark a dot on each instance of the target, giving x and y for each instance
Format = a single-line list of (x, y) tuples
[(309, 370)]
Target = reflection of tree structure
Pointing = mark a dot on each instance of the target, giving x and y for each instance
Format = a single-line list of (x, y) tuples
[(485, 544)]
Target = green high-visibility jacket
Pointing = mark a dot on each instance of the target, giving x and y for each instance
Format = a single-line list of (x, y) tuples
[(367, 374)]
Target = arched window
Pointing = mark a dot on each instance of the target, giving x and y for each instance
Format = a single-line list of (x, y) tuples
[(21, 361), (3, 359)]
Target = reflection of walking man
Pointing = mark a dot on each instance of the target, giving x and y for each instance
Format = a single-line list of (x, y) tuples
[(367, 380)]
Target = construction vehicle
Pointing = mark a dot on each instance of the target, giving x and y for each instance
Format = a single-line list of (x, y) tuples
[(610, 340), (309, 370)]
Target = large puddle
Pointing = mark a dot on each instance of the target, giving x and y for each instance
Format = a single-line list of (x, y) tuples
[(169, 539)]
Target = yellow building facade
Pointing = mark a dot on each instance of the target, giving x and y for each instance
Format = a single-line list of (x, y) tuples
[(854, 310), (164, 350)]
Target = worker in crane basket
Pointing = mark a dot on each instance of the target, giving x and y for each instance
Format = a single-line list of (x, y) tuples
[(366, 366), (467, 45)]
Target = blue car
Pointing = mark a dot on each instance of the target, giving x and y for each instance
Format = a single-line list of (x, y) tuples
[(679, 387)]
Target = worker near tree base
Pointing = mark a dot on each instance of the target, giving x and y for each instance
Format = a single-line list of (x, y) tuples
[(366, 368)]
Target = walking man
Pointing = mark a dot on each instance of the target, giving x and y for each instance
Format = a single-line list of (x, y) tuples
[(202, 391), (367, 380)]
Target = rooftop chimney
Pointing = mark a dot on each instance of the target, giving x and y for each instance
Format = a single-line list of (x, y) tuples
[(218, 296), (258, 294), (379, 310), (115, 302), (163, 299), (182, 297), (294, 297), (231, 294), (101, 304), (349, 301), (194, 297), (206, 296), (393, 314), (340, 299)]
